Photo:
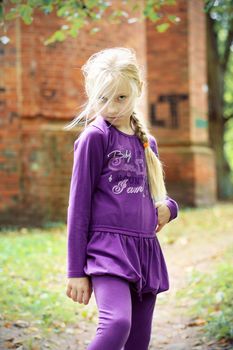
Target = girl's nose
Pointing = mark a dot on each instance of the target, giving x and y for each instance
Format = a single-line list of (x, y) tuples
[(112, 109)]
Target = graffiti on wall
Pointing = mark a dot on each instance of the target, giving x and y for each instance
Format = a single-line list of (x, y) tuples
[(173, 101)]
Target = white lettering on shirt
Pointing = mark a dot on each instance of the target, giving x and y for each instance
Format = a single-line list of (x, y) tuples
[(120, 161)]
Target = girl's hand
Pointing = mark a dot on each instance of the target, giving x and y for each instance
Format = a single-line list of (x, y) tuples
[(79, 289), (164, 214)]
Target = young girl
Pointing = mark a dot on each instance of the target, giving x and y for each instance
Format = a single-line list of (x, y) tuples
[(117, 204)]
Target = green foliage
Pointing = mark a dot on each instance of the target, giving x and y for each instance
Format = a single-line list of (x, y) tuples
[(153, 13), (33, 279), (228, 147), (163, 27), (221, 12), (212, 298), (78, 13), (25, 12), (228, 113)]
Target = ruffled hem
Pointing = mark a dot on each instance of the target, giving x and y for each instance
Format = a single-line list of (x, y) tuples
[(139, 259)]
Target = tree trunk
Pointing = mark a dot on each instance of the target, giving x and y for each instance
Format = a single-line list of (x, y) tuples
[(216, 113)]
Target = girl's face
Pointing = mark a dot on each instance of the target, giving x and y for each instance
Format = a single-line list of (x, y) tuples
[(120, 106)]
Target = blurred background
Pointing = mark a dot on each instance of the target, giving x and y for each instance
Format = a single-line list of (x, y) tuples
[(186, 50)]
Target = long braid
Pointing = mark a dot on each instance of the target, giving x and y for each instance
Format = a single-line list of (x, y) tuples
[(154, 166), (139, 127)]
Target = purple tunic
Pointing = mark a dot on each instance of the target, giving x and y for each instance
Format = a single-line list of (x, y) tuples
[(111, 219)]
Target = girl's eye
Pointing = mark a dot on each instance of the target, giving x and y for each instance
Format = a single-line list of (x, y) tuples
[(123, 96), (102, 99)]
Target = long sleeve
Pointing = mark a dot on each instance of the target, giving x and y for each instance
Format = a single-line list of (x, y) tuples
[(87, 167), (171, 203)]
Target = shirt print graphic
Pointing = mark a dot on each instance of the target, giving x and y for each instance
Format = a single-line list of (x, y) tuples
[(128, 172)]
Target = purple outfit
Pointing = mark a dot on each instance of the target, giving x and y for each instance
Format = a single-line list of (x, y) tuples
[(111, 218), (124, 321)]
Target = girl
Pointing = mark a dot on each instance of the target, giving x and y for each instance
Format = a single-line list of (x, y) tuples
[(117, 204)]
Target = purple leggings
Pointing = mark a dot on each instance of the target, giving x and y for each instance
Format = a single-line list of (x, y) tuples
[(124, 321)]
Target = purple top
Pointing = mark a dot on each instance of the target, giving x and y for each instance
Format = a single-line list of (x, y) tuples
[(108, 190)]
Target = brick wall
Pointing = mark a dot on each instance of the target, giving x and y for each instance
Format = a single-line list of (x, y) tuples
[(177, 98), (41, 88)]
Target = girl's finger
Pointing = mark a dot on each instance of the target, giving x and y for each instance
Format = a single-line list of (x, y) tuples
[(80, 295), (68, 291), (74, 294), (86, 296)]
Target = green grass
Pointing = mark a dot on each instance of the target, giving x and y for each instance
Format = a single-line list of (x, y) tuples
[(212, 298), (33, 273), (209, 295), (195, 222), (33, 279)]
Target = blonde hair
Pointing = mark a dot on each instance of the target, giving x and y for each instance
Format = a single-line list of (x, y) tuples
[(103, 72)]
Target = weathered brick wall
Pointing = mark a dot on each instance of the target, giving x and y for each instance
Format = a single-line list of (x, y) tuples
[(41, 88), (10, 144), (177, 94)]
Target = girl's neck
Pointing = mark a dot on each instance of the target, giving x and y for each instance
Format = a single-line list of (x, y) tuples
[(123, 125)]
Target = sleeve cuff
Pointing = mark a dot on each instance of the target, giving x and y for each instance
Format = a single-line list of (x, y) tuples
[(173, 206), (74, 274)]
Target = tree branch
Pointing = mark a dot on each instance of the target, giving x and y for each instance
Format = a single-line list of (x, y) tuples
[(225, 120), (228, 44)]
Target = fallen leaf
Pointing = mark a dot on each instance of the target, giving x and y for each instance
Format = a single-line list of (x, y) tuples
[(197, 322), (21, 324)]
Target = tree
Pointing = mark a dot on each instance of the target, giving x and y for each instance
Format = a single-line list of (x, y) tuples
[(219, 17)]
